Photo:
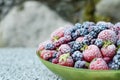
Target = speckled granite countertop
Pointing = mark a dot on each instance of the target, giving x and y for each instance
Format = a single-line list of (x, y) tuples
[(23, 64)]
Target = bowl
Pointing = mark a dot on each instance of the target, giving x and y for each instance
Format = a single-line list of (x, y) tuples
[(69, 73)]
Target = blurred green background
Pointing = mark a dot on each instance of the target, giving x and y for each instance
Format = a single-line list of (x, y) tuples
[(26, 23)]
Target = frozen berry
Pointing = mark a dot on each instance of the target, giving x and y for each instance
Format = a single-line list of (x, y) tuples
[(64, 48), (77, 55), (98, 64), (108, 35)]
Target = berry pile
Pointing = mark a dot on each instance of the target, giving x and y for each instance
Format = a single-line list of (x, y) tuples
[(88, 46)]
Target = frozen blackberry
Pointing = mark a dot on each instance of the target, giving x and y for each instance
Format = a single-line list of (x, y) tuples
[(83, 31), (77, 45), (71, 43), (74, 35), (88, 37), (69, 30), (93, 33), (80, 64), (86, 42), (115, 63), (78, 25), (87, 24), (77, 55), (99, 43), (49, 46)]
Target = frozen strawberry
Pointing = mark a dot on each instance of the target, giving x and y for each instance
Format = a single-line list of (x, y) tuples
[(107, 59), (47, 54), (57, 34), (80, 39), (64, 48), (108, 35), (55, 60), (42, 46), (98, 64), (91, 52), (66, 60), (108, 51)]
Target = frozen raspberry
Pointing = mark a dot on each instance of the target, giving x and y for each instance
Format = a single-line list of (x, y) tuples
[(108, 35), (64, 48), (80, 39)]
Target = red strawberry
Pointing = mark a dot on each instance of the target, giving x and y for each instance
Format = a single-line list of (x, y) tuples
[(98, 64), (91, 52), (108, 51), (58, 33), (108, 35), (66, 60), (47, 54), (80, 39)]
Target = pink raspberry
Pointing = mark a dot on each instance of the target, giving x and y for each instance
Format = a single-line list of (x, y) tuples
[(80, 39), (58, 33), (106, 35), (98, 64), (91, 52), (64, 48), (116, 27)]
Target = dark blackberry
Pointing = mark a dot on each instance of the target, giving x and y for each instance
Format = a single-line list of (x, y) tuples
[(93, 33), (71, 43), (49, 46), (99, 43), (83, 31), (77, 55), (86, 42), (78, 25), (115, 63), (88, 37), (80, 64), (77, 45), (87, 24), (69, 30), (74, 36)]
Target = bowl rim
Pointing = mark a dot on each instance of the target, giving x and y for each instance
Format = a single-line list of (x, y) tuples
[(75, 69)]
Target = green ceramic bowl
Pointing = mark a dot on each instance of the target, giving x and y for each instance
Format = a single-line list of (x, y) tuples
[(69, 73)]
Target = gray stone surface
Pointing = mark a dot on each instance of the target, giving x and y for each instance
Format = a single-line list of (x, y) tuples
[(28, 25), (109, 8), (23, 64)]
